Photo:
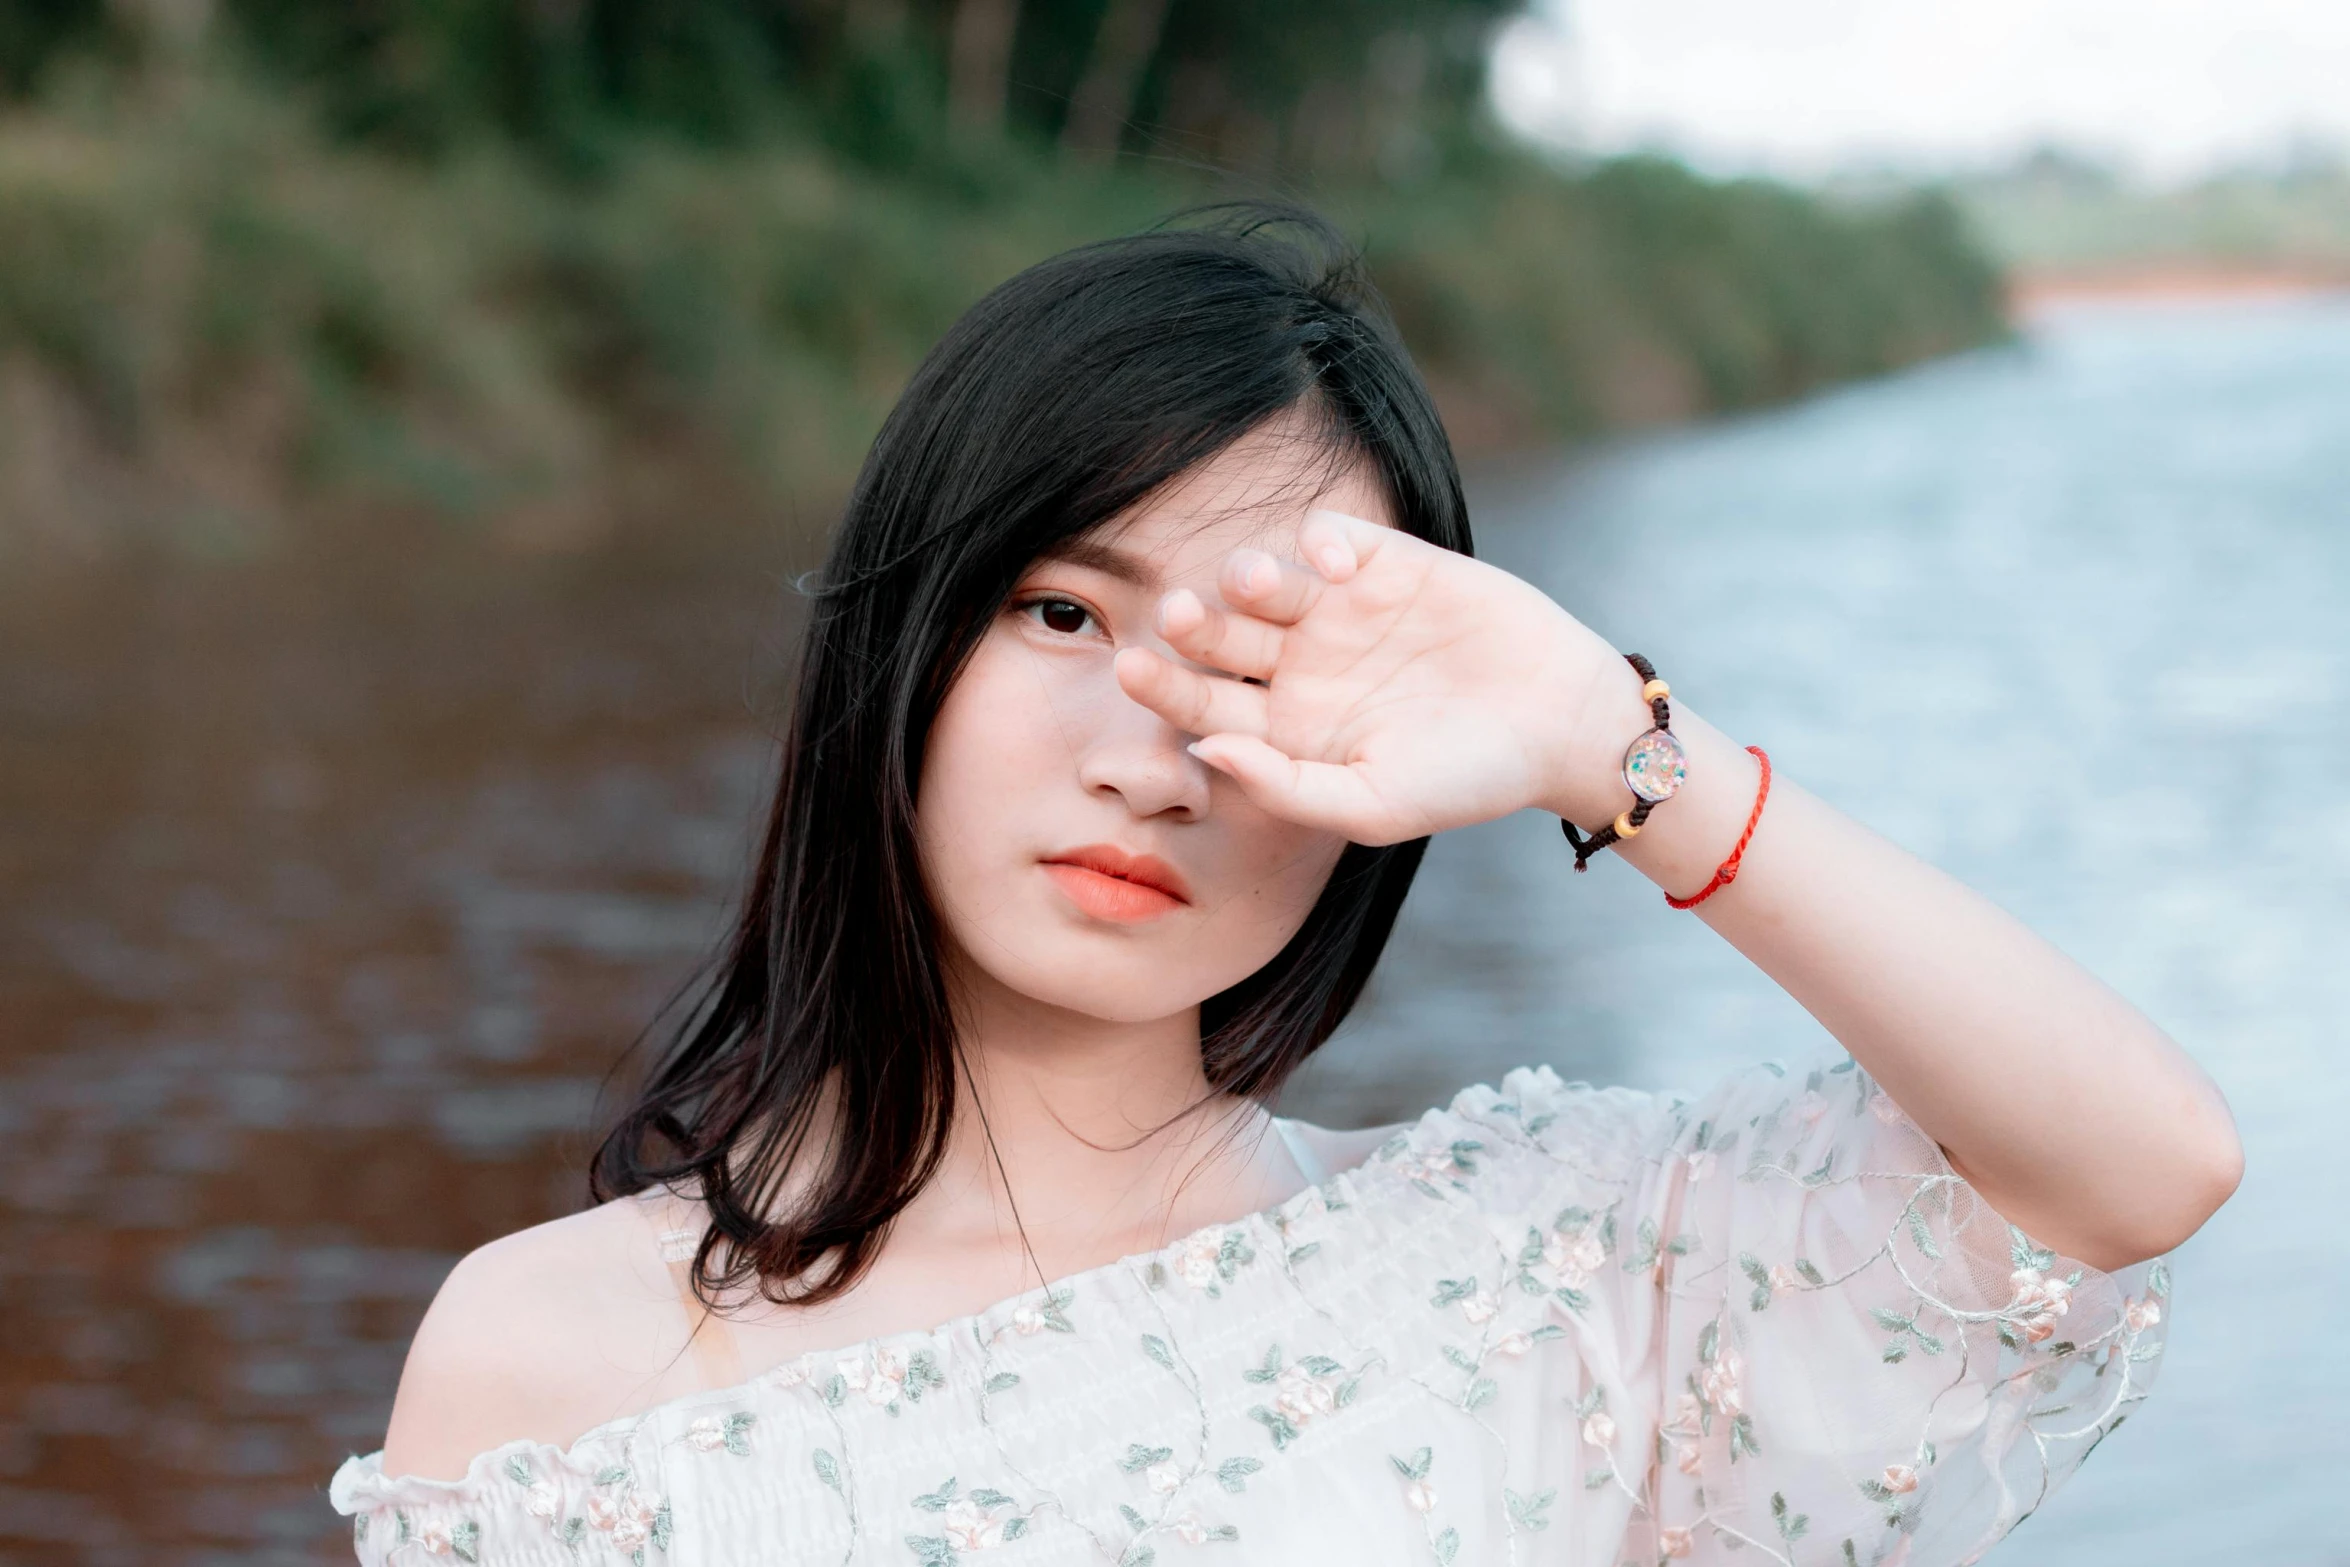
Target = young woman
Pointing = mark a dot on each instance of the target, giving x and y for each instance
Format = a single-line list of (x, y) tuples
[(1148, 656)]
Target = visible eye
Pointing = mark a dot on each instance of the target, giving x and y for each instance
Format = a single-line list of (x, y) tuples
[(1066, 616)]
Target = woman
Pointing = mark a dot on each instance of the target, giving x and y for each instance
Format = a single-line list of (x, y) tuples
[(1148, 656)]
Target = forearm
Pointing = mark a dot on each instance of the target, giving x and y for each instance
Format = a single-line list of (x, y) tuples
[(2065, 1106)]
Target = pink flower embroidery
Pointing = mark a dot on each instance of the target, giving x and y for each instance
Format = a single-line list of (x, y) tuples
[(2139, 1315), (1881, 1106), (1190, 1530), (435, 1540), (970, 1529), (1783, 1279), (1422, 1496), (706, 1434), (544, 1501), (1572, 1259), (601, 1510), (1900, 1479), (1514, 1343), (2039, 1301), (1299, 1396), (882, 1381), (1701, 1164), (1688, 1458), (1196, 1263), (633, 1524), (1165, 1478), (1675, 1541), (1027, 1320), (1479, 1307), (1599, 1430), (1718, 1383)]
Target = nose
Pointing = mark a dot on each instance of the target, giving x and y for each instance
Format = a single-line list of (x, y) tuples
[(1135, 754)]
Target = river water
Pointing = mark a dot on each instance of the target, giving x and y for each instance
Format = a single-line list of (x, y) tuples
[(327, 898)]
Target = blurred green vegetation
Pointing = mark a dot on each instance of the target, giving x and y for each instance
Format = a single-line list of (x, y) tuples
[(548, 269), (2057, 214)]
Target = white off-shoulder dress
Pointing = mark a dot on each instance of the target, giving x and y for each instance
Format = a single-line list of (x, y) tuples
[(1545, 1324)]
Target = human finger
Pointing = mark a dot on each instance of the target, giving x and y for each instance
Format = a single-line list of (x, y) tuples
[(1195, 703), (1280, 591), (1337, 544), (1313, 794), (1207, 635)]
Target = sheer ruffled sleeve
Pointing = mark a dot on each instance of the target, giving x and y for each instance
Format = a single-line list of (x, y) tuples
[(526, 1504), (1811, 1340)]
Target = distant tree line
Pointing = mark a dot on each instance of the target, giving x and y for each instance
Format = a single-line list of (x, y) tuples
[(1319, 87)]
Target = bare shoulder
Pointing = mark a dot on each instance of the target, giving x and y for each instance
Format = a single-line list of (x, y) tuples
[(543, 1334)]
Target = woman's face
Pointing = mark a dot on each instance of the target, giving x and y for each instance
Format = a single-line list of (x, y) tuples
[(1079, 856)]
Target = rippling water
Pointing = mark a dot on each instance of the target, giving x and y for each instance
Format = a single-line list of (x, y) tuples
[(325, 901)]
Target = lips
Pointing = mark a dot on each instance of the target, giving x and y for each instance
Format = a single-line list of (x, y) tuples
[(1108, 883)]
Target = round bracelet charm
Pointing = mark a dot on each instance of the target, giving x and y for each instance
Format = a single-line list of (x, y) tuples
[(1655, 766)]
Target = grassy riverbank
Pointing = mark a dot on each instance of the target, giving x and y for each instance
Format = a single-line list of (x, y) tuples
[(224, 330)]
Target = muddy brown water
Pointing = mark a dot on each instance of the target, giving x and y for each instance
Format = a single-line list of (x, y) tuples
[(327, 898)]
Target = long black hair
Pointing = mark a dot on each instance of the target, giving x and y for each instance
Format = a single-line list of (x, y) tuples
[(821, 1047)]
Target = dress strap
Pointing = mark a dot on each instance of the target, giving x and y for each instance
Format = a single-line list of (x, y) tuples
[(711, 1342), (1310, 1166)]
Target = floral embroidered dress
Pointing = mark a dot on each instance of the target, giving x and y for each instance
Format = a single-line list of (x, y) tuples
[(1545, 1324)]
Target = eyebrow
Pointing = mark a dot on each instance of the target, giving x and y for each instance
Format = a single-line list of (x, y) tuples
[(1107, 559)]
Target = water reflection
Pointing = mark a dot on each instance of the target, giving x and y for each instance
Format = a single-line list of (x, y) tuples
[(329, 898)]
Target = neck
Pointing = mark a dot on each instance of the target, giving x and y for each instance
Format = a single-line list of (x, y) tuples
[(1088, 1139)]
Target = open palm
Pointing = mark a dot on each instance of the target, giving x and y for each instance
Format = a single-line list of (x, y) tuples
[(1387, 690)]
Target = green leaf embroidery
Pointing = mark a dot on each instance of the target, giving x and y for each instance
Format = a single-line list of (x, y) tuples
[(1448, 1545), (827, 1468), (1232, 1474), (2158, 1280), (1709, 1339), (1141, 1457), (1416, 1466), (613, 1475), (1138, 1556), (1790, 1527), (574, 1531), (1134, 1520), (1529, 1512), (939, 1500), (661, 1526), (1267, 1372), (931, 1550), (1276, 1424), (988, 1496), (1480, 1394), (1923, 1238), (1301, 1253), (1002, 1381), (1015, 1527), (1451, 1290), (518, 1469), (1156, 1347), (738, 1433), (465, 1542), (1811, 1275)]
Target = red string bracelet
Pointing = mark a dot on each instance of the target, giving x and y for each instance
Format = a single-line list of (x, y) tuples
[(1727, 871)]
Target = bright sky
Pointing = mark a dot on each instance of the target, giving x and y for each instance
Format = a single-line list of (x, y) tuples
[(1811, 86)]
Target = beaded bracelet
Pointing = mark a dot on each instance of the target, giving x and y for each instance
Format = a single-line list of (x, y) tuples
[(1654, 767)]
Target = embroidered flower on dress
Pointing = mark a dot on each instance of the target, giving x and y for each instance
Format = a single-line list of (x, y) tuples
[(1513, 1342), (1701, 1164), (1599, 1429), (1718, 1383), (1675, 1541), (969, 1527), (1165, 1477), (1196, 1263), (543, 1500), (2141, 1314), (1422, 1495), (1899, 1479), (1480, 1306), (2039, 1301), (1573, 1258), (435, 1540)]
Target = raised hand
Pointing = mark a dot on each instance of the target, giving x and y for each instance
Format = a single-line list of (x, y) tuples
[(1389, 689)]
